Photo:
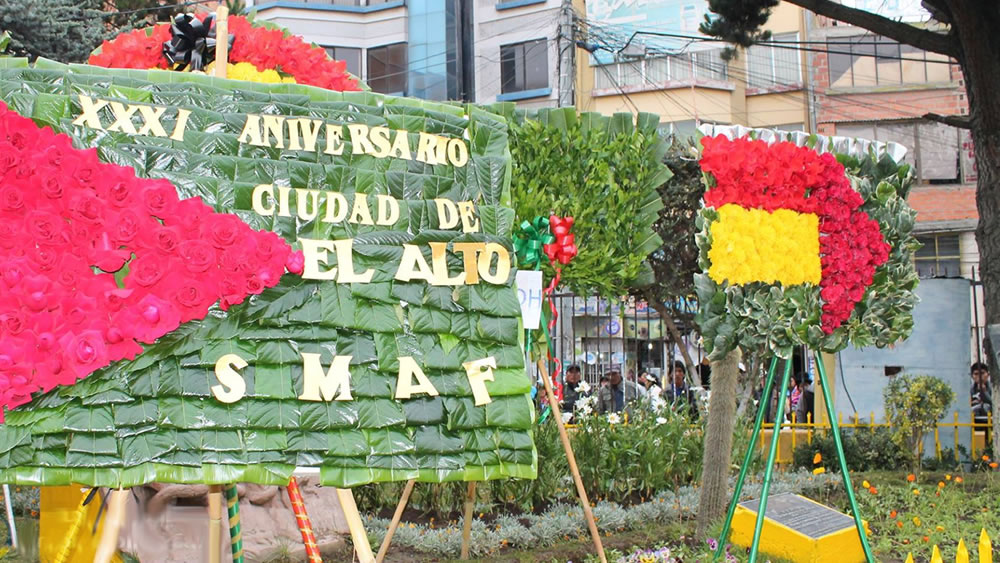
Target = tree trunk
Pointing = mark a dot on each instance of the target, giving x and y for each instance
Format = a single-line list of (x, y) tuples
[(668, 321), (975, 24), (718, 442)]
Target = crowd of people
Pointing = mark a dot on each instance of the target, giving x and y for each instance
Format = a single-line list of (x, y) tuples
[(617, 394)]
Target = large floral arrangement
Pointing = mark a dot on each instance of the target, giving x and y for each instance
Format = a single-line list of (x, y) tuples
[(94, 261), (265, 48), (793, 253)]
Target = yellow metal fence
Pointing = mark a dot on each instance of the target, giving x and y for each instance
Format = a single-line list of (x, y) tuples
[(962, 553), (796, 433)]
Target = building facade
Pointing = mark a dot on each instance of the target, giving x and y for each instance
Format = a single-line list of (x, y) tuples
[(479, 51)]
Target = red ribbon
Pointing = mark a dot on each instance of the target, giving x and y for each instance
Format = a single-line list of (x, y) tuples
[(562, 251), (564, 248)]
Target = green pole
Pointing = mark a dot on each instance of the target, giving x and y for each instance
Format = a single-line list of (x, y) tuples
[(758, 423), (235, 534), (771, 455), (835, 430)]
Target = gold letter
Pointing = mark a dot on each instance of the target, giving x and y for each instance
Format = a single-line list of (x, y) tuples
[(335, 201), (251, 131), (426, 148), (458, 153), (470, 251), (233, 387), (258, 200), (123, 118), (360, 213), (468, 212), (345, 263), (359, 139), (274, 125), (88, 112), (310, 132), (447, 213), (317, 386), (413, 266), (408, 368), (380, 140), (283, 207), (334, 139), (302, 198), (503, 263), (182, 119), (315, 254), (439, 261), (388, 210), (479, 372), (401, 145), (152, 115)]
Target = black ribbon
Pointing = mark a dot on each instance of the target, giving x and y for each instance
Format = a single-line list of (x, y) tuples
[(192, 42)]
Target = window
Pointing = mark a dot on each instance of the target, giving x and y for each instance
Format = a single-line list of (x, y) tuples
[(870, 60), (653, 72), (387, 69), (933, 148), (939, 257), (350, 55), (771, 66), (524, 66)]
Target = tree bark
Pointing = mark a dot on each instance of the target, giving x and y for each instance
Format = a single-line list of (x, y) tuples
[(718, 442), (668, 321), (975, 25)]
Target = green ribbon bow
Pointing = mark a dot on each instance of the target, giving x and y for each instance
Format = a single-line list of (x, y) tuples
[(529, 242)]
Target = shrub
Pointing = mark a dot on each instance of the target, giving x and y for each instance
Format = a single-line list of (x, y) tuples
[(914, 404), (864, 449)]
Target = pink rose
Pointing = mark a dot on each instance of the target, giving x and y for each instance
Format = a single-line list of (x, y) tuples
[(146, 270), (85, 353), (160, 198), (198, 255)]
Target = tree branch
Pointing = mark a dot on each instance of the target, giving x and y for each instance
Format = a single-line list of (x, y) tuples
[(960, 121), (902, 32), (668, 320)]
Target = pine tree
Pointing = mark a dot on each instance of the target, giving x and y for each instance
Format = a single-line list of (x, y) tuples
[(62, 30)]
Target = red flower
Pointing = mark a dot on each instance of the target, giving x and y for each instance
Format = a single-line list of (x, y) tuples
[(63, 213), (756, 175)]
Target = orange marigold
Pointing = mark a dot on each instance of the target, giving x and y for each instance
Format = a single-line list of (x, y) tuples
[(818, 458), (911, 477)]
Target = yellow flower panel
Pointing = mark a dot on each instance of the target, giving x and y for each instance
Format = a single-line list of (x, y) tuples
[(751, 245)]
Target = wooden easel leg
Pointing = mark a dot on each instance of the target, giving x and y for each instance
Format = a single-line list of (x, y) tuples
[(358, 535), (222, 45), (470, 504), (384, 548), (214, 523), (564, 437), (108, 546), (8, 505)]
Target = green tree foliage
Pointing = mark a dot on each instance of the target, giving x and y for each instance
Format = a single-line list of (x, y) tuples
[(604, 172), (62, 30), (914, 404), (130, 14)]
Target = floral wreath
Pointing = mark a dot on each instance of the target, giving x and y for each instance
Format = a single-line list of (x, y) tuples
[(258, 53), (792, 254), (95, 261)]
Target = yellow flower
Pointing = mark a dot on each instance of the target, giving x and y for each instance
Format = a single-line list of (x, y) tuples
[(916, 491), (249, 72), (819, 471), (916, 520), (940, 484), (940, 528), (947, 477), (866, 484), (751, 245), (818, 458)]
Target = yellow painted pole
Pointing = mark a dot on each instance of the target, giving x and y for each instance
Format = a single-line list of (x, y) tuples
[(956, 435), (962, 553), (909, 558), (936, 555), (985, 548)]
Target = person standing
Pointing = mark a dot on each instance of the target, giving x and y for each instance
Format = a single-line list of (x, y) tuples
[(980, 396), (611, 398), (571, 393), (679, 392)]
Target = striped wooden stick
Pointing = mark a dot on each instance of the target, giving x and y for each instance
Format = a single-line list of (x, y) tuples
[(302, 519), (233, 504), (74, 531)]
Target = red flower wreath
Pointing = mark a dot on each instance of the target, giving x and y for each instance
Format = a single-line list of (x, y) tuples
[(264, 48), (68, 222), (756, 175)]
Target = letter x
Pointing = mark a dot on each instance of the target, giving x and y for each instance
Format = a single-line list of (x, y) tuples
[(88, 114), (152, 115), (123, 118)]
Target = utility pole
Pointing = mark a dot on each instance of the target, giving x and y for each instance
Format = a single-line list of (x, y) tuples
[(567, 54)]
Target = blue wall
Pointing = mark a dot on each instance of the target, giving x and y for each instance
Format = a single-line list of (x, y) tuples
[(939, 346)]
